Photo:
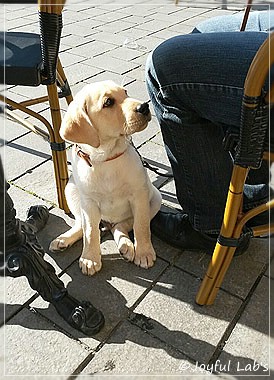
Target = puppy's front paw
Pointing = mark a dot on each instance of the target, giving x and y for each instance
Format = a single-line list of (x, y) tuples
[(59, 244), (126, 248), (90, 267), (145, 257)]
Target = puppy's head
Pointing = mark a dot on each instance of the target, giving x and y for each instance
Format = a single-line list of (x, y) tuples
[(101, 111)]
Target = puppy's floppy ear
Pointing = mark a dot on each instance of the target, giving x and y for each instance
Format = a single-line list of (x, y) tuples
[(76, 126)]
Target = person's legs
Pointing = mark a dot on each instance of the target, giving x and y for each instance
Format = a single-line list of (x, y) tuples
[(196, 85), (22, 255), (257, 21)]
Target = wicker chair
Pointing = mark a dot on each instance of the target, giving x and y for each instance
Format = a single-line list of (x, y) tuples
[(252, 147), (31, 59)]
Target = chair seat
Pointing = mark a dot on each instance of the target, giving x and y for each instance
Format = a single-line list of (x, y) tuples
[(20, 58)]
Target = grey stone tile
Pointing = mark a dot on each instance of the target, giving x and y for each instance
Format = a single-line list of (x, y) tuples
[(248, 343), (115, 26), (29, 150), (108, 75), (10, 130), (80, 30), (60, 354), (125, 354), (109, 17), (241, 274), (71, 15), (83, 72), (176, 319), (92, 49), (106, 62), (125, 54), (168, 192), (92, 11), (15, 24), (138, 90), (113, 290), (23, 200), (16, 292), (68, 59), (40, 181), (147, 134), (71, 40), (134, 33), (115, 39)]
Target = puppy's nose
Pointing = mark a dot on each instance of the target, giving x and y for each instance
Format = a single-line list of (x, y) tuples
[(143, 109)]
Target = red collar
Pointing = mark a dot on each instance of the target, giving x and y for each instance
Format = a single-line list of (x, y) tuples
[(86, 156)]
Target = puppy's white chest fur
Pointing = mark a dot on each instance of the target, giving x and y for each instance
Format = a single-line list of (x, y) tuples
[(113, 184)]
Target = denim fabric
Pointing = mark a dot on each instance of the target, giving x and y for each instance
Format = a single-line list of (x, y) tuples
[(196, 85), (257, 21)]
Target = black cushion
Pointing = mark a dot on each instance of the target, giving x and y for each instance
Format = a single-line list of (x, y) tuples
[(20, 58)]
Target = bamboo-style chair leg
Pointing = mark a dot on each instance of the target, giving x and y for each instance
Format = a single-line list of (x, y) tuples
[(222, 254), (58, 147), (63, 80)]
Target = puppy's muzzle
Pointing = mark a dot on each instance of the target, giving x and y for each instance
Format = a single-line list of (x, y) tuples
[(143, 109)]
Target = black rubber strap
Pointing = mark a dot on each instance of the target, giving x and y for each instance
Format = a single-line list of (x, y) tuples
[(58, 146), (228, 242)]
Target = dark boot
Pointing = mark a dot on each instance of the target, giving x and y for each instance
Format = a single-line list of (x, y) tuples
[(25, 258)]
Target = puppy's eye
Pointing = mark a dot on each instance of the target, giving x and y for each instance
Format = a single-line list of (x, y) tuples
[(108, 102)]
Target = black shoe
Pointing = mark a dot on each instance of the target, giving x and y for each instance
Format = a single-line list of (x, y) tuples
[(176, 230), (37, 216), (82, 316), (261, 219)]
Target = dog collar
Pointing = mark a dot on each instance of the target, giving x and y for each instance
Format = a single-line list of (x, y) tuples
[(85, 156)]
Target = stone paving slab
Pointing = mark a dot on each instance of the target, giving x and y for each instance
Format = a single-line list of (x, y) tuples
[(49, 351), (132, 350), (249, 342), (176, 319)]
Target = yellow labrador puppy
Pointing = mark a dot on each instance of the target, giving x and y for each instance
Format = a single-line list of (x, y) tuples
[(108, 179)]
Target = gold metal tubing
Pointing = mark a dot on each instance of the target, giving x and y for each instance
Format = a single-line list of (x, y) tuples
[(246, 14), (221, 274), (250, 214), (31, 102), (268, 156), (59, 157), (233, 205), (27, 124), (61, 73), (209, 279), (265, 229), (234, 200), (29, 112), (259, 68)]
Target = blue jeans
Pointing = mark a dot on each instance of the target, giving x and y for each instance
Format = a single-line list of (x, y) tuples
[(196, 83)]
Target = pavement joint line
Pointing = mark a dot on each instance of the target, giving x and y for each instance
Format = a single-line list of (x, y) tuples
[(147, 331), (228, 331), (60, 328), (86, 361), (24, 306), (53, 205), (89, 358), (150, 287)]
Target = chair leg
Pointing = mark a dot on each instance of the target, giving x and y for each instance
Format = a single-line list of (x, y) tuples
[(58, 148), (222, 254), (62, 78)]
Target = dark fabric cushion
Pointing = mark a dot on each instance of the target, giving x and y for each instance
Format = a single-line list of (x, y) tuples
[(20, 58)]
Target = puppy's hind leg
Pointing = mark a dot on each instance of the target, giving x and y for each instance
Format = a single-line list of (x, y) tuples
[(120, 234), (76, 232)]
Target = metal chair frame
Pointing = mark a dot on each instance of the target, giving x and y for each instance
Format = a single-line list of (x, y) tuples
[(249, 154), (53, 78)]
